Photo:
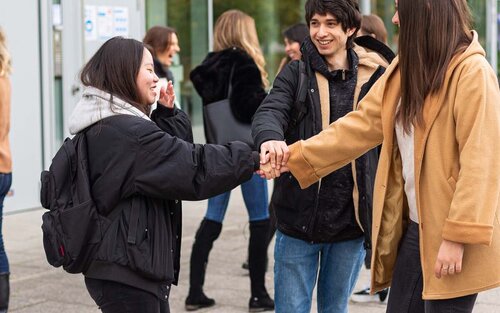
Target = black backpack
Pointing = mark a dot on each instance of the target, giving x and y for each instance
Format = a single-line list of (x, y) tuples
[(72, 228)]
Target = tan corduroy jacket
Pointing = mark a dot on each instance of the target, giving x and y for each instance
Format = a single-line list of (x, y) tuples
[(457, 172), (5, 157)]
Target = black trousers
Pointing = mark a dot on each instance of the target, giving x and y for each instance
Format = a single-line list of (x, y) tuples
[(406, 289), (113, 297)]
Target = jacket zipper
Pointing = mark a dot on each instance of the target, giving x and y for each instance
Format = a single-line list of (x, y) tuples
[(312, 222)]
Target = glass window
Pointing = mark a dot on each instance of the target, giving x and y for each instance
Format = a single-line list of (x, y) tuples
[(271, 18), (478, 8), (385, 9), (190, 19)]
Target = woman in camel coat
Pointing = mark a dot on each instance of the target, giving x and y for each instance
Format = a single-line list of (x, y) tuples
[(442, 160)]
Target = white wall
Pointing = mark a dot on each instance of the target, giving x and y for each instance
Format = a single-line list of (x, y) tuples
[(20, 22)]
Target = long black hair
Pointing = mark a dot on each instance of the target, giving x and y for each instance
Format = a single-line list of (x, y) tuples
[(114, 69), (297, 32)]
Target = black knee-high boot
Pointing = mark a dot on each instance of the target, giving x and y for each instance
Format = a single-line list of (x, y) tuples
[(257, 258), (4, 292), (208, 232)]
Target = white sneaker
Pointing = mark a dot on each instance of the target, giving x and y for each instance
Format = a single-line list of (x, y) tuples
[(363, 296)]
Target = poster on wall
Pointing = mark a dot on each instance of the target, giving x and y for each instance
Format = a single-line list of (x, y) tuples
[(104, 22), (90, 17), (120, 21)]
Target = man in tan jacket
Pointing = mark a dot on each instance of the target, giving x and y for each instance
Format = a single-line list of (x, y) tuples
[(322, 231)]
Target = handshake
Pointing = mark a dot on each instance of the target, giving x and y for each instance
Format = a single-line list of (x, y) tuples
[(274, 156)]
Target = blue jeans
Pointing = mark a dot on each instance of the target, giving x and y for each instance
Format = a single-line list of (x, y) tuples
[(5, 182), (255, 197), (296, 264)]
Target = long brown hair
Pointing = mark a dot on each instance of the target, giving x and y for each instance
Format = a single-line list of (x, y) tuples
[(237, 29), (431, 33), (159, 38), (373, 25)]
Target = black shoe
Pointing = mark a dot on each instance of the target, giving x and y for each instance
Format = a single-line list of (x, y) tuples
[(261, 304), (363, 296), (197, 302)]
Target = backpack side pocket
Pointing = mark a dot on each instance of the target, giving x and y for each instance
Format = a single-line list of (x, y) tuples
[(52, 240)]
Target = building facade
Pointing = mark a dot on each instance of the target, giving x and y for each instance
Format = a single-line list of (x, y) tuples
[(50, 40)]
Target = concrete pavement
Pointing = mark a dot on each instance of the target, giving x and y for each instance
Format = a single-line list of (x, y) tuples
[(38, 287)]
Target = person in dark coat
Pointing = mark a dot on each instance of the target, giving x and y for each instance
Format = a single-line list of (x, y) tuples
[(141, 166), (321, 229), (236, 57)]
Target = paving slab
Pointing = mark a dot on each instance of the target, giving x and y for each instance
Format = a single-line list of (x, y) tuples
[(38, 287)]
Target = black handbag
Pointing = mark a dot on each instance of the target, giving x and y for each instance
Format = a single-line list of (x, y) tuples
[(221, 126)]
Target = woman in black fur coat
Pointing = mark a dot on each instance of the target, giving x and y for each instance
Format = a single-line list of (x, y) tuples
[(235, 45)]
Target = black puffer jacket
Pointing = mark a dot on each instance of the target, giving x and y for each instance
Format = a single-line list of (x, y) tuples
[(323, 212), (211, 80), (138, 167)]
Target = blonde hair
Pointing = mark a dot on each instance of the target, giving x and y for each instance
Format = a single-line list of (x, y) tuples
[(237, 29), (5, 67)]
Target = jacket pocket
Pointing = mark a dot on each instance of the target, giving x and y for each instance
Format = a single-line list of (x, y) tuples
[(151, 251), (294, 206)]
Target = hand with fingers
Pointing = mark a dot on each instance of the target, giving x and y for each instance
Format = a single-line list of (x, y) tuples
[(449, 259), (167, 95), (266, 171), (275, 152)]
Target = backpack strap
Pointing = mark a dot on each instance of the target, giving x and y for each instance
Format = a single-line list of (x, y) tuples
[(299, 108), (83, 184), (69, 149)]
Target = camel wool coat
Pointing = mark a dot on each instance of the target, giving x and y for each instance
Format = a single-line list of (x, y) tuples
[(457, 172)]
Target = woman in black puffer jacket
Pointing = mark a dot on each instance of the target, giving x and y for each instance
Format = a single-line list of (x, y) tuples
[(236, 50), (140, 166)]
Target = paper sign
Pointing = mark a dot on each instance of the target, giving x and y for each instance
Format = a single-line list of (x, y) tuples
[(121, 21), (104, 22), (90, 25)]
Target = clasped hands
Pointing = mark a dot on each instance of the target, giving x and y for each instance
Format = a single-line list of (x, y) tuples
[(274, 156)]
